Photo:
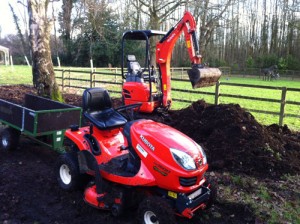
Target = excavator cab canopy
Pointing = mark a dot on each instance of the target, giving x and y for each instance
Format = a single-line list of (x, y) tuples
[(143, 35)]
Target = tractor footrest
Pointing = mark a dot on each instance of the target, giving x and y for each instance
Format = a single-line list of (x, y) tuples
[(119, 166)]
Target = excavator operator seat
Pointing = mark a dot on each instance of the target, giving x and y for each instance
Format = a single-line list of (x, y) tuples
[(134, 70), (97, 109), (133, 65)]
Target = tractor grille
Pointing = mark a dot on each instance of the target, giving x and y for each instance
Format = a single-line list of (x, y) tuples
[(186, 182)]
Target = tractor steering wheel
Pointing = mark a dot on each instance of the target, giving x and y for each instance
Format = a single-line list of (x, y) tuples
[(141, 73), (129, 110)]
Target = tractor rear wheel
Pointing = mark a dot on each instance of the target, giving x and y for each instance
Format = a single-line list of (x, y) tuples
[(9, 139), (155, 210), (67, 172)]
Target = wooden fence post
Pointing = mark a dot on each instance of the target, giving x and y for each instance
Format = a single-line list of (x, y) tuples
[(69, 78), (91, 79), (11, 63), (92, 65), (58, 62), (282, 105), (182, 73), (62, 79), (217, 93), (94, 79), (28, 64)]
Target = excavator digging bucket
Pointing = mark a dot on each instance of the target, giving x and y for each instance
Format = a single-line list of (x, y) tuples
[(203, 77)]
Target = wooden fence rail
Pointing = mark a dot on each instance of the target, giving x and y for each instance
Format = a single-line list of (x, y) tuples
[(283, 102), (181, 72), (116, 80)]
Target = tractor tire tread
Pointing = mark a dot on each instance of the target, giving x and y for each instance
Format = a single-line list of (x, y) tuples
[(71, 161), (159, 206)]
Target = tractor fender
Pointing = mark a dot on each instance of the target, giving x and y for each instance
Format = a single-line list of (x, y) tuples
[(88, 163), (78, 139)]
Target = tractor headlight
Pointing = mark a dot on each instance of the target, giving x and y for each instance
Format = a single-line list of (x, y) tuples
[(202, 153), (183, 159)]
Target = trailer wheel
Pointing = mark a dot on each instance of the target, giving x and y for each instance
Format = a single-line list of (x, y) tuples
[(67, 172), (155, 210), (9, 139)]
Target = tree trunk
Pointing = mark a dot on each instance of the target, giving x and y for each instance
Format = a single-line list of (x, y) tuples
[(42, 67), (154, 24), (208, 23), (264, 35), (138, 15), (67, 11)]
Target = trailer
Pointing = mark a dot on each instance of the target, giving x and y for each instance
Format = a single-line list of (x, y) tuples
[(43, 120)]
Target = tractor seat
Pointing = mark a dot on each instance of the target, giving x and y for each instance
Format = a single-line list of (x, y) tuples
[(97, 108)]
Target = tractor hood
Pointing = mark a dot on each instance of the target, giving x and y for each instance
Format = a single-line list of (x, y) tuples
[(155, 135), (162, 144)]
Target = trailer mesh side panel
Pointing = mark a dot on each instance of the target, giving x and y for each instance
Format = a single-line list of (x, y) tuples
[(11, 113), (39, 103), (57, 120)]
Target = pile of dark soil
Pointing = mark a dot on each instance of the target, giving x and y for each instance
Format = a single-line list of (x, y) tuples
[(236, 142), (16, 94)]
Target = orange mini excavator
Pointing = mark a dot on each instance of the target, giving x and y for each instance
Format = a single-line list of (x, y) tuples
[(143, 85)]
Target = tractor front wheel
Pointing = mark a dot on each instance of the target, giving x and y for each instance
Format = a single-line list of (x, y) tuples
[(67, 172), (155, 210), (9, 139)]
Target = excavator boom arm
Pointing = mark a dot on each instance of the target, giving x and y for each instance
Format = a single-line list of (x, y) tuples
[(164, 49), (187, 25)]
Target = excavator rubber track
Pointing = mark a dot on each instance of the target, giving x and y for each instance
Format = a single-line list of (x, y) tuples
[(204, 77)]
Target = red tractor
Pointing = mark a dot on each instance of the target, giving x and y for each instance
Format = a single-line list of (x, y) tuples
[(153, 89), (133, 163)]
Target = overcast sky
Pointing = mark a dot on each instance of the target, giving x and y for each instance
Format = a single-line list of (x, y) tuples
[(6, 19)]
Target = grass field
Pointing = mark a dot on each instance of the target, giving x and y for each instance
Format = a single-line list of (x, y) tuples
[(22, 75), (267, 119), (15, 75)]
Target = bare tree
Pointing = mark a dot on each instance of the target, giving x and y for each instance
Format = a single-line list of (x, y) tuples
[(25, 48), (97, 12), (42, 67), (65, 21), (209, 14), (157, 11), (274, 29), (66, 18), (264, 36)]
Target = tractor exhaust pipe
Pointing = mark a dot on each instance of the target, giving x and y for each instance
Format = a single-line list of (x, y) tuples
[(203, 77)]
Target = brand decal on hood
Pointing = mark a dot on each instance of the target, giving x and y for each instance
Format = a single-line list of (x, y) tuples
[(147, 143)]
